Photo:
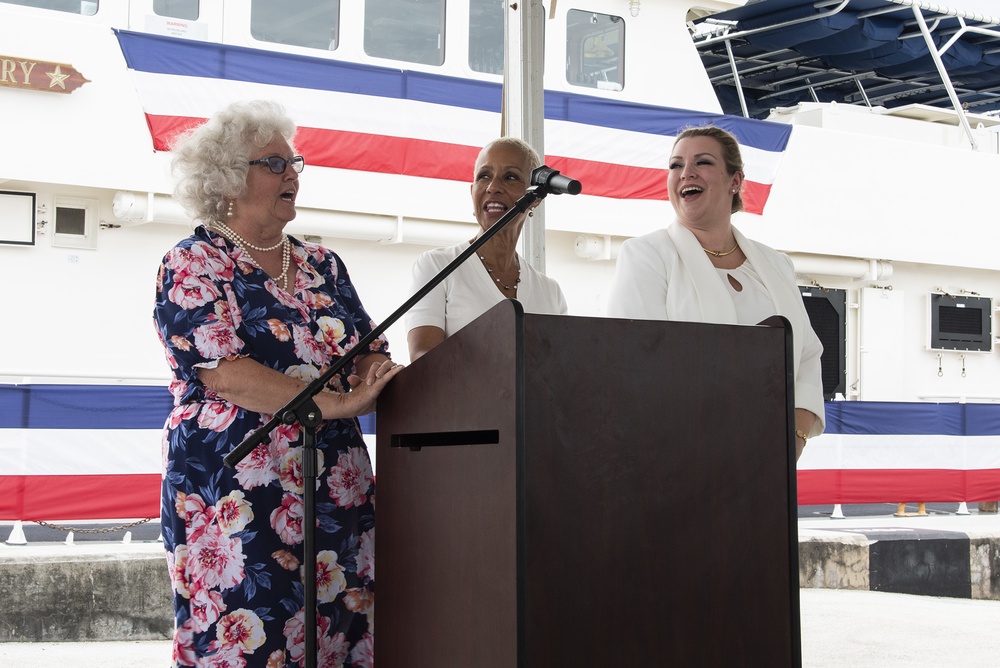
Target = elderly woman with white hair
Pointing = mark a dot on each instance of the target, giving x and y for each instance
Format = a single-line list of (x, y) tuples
[(247, 316)]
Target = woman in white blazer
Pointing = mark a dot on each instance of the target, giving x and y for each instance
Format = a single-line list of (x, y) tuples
[(702, 269)]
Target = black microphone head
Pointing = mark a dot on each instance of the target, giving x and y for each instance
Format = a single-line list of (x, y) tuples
[(554, 182)]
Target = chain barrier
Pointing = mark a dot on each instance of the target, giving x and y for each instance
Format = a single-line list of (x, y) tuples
[(59, 527)]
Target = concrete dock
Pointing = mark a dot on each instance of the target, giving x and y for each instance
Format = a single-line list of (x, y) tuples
[(840, 627), (875, 591)]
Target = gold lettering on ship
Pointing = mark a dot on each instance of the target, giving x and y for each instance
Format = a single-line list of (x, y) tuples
[(39, 75)]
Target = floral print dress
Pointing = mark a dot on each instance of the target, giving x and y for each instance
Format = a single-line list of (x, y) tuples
[(233, 536)]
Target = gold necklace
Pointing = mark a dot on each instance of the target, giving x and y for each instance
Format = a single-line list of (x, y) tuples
[(721, 253)]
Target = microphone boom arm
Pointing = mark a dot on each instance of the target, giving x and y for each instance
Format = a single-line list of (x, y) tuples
[(287, 414)]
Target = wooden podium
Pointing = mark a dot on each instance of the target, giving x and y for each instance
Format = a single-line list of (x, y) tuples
[(569, 491)]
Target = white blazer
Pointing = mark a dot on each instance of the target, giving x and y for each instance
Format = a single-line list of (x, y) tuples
[(665, 275)]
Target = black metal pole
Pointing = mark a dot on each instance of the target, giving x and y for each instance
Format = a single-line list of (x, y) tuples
[(309, 417)]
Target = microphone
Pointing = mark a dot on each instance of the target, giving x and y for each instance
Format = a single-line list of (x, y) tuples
[(554, 182)]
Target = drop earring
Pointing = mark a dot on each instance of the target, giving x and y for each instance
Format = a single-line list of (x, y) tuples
[(229, 209)]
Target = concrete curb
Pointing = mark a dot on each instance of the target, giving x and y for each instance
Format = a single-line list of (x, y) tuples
[(60, 593), (957, 559), (114, 591)]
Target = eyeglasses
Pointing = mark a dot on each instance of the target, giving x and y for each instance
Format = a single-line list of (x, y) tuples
[(277, 164)]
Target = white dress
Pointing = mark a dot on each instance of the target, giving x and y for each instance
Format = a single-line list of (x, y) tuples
[(470, 291)]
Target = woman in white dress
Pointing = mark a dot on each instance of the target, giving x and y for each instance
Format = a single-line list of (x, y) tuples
[(501, 177)]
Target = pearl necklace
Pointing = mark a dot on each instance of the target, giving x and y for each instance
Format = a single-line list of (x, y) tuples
[(286, 252), (229, 232), (499, 282)]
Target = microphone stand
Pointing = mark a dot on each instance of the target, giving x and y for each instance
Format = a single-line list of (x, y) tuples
[(303, 409)]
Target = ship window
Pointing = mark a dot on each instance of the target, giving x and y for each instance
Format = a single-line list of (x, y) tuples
[(71, 220), (310, 23), (486, 39), (595, 50), (961, 323), (17, 218), (177, 9), (75, 223), (405, 30), (72, 6)]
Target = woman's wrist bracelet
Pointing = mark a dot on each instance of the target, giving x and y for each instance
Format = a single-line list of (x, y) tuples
[(801, 434)]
